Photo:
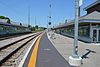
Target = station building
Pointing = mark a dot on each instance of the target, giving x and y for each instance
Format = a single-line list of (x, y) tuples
[(89, 25)]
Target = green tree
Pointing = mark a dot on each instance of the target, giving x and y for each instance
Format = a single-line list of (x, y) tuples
[(20, 24), (36, 27), (3, 17), (33, 28), (8, 20), (29, 26)]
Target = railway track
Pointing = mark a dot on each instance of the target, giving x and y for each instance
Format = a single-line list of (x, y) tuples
[(11, 36), (10, 53)]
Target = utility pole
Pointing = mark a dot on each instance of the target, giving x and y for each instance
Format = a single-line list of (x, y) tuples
[(75, 60), (47, 22), (28, 15), (35, 21), (75, 45)]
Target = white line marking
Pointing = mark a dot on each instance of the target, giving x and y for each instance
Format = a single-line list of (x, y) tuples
[(47, 49)]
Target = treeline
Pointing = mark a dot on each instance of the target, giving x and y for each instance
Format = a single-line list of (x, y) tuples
[(37, 28), (3, 17)]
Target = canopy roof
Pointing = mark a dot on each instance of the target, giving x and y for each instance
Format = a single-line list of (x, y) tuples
[(93, 17), (93, 4)]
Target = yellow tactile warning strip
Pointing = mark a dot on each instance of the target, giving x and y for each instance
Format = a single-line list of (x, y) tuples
[(32, 61)]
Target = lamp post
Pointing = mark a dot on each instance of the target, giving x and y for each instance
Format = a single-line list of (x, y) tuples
[(75, 60), (75, 45), (49, 20)]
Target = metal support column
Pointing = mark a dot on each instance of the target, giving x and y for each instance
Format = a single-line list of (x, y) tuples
[(75, 45), (75, 60)]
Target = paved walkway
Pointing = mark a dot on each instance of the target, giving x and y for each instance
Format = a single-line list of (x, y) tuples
[(89, 52), (47, 55)]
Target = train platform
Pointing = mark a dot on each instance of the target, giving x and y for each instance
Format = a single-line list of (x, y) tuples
[(44, 54), (90, 52), (47, 51)]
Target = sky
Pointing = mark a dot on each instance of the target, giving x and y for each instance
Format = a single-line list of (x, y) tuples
[(17, 10)]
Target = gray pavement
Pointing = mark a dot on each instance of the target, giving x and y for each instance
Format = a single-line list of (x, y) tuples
[(48, 56), (88, 51)]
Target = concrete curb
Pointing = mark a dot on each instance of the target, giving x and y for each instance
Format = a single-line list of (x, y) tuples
[(49, 39)]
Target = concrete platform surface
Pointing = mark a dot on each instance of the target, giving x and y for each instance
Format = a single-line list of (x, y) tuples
[(46, 56), (88, 51)]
